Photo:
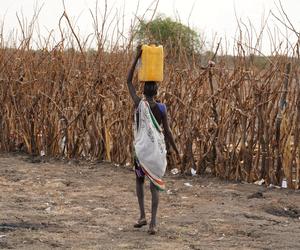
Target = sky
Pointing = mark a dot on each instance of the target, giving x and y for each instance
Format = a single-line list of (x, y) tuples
[(213, 19)]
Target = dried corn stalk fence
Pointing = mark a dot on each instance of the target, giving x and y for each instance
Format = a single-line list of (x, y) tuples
[(235, 120)]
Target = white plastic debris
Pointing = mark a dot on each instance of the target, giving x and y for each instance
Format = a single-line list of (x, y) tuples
[(103, 209), (2, 236), (221, 238), (63, 143), (193, 172), (259, 182), (48, 209), (284, 183), (42, 153), (274, 186), (187, 184), (175, 171)]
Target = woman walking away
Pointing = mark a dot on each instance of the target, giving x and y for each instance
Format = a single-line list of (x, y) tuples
[(149, 145)]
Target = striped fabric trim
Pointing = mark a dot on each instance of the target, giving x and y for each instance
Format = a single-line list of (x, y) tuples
[(153, 119), (158, 183)]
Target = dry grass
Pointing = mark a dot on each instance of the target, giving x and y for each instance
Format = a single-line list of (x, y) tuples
[(236, 120)]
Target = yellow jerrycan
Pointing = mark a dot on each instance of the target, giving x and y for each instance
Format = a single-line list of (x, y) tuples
[(151, 64)]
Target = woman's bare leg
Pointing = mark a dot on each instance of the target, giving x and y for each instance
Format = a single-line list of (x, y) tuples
[(154, 207), (140, 195)]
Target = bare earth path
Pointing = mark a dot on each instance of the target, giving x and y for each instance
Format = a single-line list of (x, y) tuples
[(93, 206)]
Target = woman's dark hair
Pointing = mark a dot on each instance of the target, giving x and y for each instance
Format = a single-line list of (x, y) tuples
[(150, 89)]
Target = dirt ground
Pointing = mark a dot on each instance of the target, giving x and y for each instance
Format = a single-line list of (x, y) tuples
[(56, 204)]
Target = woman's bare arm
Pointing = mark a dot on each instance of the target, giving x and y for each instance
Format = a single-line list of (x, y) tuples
[(169, 133), (131, 88)]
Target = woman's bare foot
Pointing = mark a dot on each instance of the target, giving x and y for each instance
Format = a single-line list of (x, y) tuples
[(140, 223), (152, 229)]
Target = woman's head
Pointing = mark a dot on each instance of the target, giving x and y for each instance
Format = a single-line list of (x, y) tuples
[(150, 89)]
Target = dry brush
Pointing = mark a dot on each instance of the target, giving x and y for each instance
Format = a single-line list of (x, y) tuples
[(235, 120)]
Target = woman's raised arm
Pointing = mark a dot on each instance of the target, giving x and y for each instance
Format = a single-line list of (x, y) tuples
[(131, 88)]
